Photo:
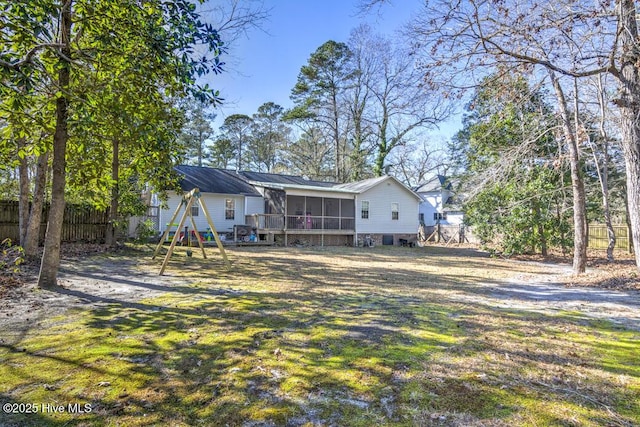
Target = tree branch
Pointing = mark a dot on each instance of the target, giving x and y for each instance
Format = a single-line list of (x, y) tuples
[(28, 59)]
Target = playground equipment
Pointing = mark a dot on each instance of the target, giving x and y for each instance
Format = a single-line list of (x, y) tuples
[(187, 201)]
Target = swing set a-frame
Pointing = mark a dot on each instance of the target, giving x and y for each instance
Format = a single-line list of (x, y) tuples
[(187, 201)]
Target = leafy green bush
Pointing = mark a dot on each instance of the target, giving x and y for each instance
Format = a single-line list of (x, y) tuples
[(11, 256), (145, 231)]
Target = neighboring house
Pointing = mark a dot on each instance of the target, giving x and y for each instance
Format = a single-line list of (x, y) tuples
[(438, 203), (292, 209)]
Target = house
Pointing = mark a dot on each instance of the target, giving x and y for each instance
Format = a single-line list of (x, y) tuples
[(437, 206), (227, 196), (386, 210), (291, 209)]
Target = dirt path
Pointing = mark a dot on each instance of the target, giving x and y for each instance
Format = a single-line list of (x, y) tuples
[(99, 281), (90, 282), (548, 295)]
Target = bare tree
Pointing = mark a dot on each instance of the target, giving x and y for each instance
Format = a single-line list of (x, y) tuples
[(234, 19), (414, 163), (366, 59), (600, 141), (401, 104), (458, 41), (577, 180)]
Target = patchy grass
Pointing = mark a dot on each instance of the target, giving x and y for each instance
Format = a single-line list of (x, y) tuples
[(336, 336)]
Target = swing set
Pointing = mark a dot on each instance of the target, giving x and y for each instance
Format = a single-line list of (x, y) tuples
[(187, 201)]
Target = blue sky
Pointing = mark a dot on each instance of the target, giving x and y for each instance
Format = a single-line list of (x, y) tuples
[(264, 66)]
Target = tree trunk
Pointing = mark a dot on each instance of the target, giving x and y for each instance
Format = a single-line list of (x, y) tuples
[(604, 184), (115, 194), (51, 256), (629, 104), (32, 238), (577, 183), (336, 138), (628, 222), (541, 235), (383, 145), (603, 170), (23, 200)]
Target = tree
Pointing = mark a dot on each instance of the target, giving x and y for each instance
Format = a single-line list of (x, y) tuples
[(598, 129), (197, 129), (56, 46), (269, 136), (237, 129), (366, 60), (223, 151), (570, 130), (308, 154), (577, 39), (459, 44), (513, 173), (400, 103), (414, 163), (318, 96)]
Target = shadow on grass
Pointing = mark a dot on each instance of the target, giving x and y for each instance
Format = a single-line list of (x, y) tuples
[(292, 344)]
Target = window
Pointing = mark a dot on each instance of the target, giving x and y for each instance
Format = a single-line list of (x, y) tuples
[(421, 218), (395, 208), (195, 210), (437, 216), (229, 209), (364, 209)]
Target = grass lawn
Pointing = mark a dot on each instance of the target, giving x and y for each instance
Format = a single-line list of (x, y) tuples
[(333, 336)]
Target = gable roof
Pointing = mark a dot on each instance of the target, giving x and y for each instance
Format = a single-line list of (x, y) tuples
[(212, 180), (364, 185), (367, 184), (222, 181), (437, 183)]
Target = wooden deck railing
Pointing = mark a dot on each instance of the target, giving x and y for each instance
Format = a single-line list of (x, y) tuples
[(265, 221), (300, 222)]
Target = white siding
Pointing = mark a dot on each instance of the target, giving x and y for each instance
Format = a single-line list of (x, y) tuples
[(430, 206), (380, 199), (433, 203), (215, 205)]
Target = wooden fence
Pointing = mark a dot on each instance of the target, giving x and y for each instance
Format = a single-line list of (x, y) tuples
[(599, 238), (81, 223)]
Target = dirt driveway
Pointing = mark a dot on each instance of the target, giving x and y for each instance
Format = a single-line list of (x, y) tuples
[(102, 280)]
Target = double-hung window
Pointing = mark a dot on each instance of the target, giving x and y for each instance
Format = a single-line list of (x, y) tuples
[(229, 209), (364, 209), (395, 211)]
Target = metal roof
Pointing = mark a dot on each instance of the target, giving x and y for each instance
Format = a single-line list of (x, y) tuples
[(272, 178), (362, 186), (222, 181), (212, 180)]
